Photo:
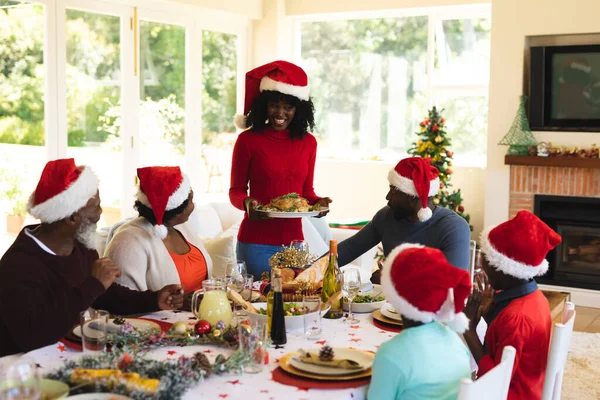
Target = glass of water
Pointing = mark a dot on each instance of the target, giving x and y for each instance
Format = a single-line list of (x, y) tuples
[(312, 317), (19, 380), (350, 288), (94, 325)]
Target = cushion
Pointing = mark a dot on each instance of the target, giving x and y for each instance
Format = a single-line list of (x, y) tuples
[(205, 221), (228, 214), (222, 248), (313, 238)]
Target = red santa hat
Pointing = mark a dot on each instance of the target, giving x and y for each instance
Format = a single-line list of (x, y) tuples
[(162, 189), (279, 76), (416, 176), (518, 247), (423, 286), (63, 189)]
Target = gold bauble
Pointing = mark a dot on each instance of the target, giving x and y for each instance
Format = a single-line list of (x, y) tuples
[(179, 328), (216, 333), (436, 201), (439, 139)]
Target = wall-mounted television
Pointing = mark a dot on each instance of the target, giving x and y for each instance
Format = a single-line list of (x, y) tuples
[(564, 88)]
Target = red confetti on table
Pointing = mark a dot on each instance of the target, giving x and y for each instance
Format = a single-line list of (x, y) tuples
[(171, 352), (61, 348), (223, 396), (264, 391), (352, 334), (236, 382), (321, 342), (356, 340), (208, 351), (354, 326)]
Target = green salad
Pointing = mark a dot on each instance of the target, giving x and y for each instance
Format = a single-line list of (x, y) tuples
[(290, 309), (366, 298)]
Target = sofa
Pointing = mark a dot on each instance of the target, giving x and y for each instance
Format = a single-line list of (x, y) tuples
[(217, 225)]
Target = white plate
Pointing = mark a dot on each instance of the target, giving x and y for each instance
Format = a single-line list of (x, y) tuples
[(99, 396), (365, 361), (284, 214), (292, 323), (390, 312), (140, 324), (366, 307)]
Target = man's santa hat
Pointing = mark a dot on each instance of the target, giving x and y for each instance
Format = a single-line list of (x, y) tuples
[(63, 189), (162, 189), (279, 76), (416, 176), (518, 247), (423, 286)]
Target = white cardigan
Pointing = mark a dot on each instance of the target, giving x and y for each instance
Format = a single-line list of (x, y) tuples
[(143, 258)]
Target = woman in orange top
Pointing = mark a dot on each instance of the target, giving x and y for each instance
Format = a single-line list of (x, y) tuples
[(159, 246)]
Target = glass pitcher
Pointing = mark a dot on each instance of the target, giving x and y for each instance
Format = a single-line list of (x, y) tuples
[(211, 303)]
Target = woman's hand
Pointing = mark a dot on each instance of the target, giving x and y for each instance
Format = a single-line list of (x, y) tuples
[(323, 202), (250, 205)]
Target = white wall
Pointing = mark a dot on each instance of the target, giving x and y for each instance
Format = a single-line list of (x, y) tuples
[(307, 7), (512, 21), (248, 8)]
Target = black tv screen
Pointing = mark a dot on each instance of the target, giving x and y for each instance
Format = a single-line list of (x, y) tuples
[(565, 88)]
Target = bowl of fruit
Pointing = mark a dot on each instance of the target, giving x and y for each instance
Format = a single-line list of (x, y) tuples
[(294, 314), (366, 302)]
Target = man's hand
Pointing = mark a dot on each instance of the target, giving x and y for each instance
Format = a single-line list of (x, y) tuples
[(170, 297), (473, 309), (323, 202), (105, 271), (250, 205)]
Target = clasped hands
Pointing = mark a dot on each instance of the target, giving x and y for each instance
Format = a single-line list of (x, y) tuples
[(481, 301)]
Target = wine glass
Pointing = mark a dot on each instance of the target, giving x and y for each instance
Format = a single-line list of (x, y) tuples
[(20, 380), (350, 288), (235, 267), (302, 246)]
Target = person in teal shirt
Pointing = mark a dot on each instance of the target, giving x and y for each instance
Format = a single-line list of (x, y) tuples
[(428, 359)]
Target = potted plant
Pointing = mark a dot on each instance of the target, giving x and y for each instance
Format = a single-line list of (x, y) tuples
[(16, 200)]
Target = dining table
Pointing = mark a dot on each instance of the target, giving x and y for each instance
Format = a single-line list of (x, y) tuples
[(364, 335)]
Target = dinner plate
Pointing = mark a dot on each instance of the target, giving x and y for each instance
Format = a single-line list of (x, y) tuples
[(390, 312), (285, 214), (365, 360), (382, 318), (366, 307), (284, 363), (52, 389), (140, 324), (99, 396)]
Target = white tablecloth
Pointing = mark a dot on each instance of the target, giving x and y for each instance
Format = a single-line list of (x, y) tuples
[(363, 336)]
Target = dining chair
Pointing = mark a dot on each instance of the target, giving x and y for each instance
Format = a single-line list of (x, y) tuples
[(557, 357), (473, 260), (494, 384)]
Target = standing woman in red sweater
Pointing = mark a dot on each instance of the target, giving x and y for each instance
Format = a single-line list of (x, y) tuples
[(274, 157)]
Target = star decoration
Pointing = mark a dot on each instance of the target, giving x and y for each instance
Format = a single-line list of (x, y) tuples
[(208, 351), (356, 340), (354, 326), (321, 342), (171, 352), (61, 348), (236, 382), (223, 396), (264, 391)]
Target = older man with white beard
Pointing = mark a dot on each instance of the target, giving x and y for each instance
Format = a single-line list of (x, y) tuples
[(51, 272)]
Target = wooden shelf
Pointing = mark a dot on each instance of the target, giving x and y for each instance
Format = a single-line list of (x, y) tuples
[(569, 162)]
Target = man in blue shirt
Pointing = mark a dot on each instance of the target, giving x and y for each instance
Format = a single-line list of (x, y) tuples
[(411, 217), (426, 360)]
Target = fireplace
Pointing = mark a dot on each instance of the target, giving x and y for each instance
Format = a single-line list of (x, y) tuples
[(576, 261)]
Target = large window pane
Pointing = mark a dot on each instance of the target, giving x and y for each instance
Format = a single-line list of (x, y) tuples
[(162, 94), (368, 83), (22, 152), (219, 82), (93, 101)]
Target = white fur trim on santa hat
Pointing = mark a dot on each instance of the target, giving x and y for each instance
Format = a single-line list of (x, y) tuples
[(160, 231), (175, 200), (457, 322), (300, 92), (239, 121), (424, 214), (506, 264), (68, 201), (406, 185)]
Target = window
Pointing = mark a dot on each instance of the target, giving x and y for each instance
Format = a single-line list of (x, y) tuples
[(373, 80)]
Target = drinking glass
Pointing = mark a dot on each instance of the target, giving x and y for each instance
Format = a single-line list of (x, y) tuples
[(253, 337), (247, 287), (236, 282), (312, 317), (350, 288), (300, 245), (94, 325), (19, 380), (235, 267)]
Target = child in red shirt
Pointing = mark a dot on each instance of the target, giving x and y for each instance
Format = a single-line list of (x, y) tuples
[(518, 314)]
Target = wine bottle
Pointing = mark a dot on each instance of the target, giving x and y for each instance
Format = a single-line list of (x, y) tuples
[(278, 336), (332, 284)]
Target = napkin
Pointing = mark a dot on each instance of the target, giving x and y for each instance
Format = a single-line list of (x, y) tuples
[(335, 363)]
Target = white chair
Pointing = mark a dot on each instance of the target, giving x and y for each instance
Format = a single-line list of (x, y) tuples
[(494, 384), (557, 357), (473, 258)]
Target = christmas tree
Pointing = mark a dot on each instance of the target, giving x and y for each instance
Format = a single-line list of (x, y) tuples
[(519, 136), (434, 143)]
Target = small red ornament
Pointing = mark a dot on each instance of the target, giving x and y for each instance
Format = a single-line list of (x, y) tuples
[(448, 171), (442, 121), (435, 128), (422, 123), (449, 153), (202, 327), (124, 362), (441, 185), (461, 209)]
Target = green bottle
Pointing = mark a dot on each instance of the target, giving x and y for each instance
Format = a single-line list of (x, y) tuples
[(332, 284)]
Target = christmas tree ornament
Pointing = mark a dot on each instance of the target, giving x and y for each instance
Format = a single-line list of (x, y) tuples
[(438, 139), (326, 353), (179, 328), (200, 361), (216, 332), (202, 327), (519, 137)]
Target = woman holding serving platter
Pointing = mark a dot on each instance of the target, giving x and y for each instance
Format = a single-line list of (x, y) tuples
[(275, 159)]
